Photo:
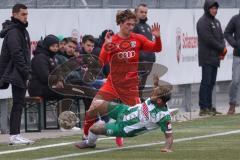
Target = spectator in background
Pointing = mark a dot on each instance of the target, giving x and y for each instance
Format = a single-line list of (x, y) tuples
[(15, 66), (211, 49), (62, 57), (98, 46), (232, 34), (62, 43), (42, 65), (75, 77), (69, 50), (100, 41), (87, 44), (87, 48), (146, 59)]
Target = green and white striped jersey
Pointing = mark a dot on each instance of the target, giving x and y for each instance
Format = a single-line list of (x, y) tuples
[(144, 117)]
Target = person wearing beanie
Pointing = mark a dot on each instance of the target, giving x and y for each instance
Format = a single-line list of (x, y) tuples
[(42, 64), (62, 43)]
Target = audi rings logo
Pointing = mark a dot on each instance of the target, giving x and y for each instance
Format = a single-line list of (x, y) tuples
[(178, 43), (126, 54)]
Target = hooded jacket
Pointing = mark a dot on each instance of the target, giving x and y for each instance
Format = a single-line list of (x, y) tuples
[(42, 64), (15, 53), (232, 34), (210, 37)]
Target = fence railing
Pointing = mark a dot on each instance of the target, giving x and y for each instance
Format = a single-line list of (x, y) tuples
[(116, 3)]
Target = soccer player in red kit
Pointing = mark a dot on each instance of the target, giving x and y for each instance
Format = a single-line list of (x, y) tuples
[(121, 52)]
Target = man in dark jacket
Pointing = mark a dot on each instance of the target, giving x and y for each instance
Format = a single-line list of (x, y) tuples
[(42, 65), (146, 60), (62, 57), (88, 49), (232, 34), (211, 48), (15, 66), (76, 76)]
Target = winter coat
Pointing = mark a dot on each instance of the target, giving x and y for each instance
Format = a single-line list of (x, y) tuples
[(15, 55), (210, 37)]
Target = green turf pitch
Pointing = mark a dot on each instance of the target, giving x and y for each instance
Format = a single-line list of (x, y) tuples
[(215, 148)]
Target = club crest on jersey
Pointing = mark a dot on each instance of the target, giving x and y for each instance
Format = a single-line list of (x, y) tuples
[(133, 44)]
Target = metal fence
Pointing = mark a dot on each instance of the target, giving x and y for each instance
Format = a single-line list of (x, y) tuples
[(115, 3)]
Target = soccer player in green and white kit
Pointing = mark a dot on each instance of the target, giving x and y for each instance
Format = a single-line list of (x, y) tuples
[(135, 120)]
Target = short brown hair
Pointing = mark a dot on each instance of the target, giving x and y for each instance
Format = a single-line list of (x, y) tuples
[(70, 39), (124, 15), (17, 7), (140, 5), (88, 38)]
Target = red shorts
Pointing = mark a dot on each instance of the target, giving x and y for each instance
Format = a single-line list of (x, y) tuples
[(128, 97)]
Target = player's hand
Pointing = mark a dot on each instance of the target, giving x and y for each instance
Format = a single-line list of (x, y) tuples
[(166, 150), (156, 30), (108, 37), (223, 54)]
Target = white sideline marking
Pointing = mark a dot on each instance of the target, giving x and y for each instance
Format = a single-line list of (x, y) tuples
[(43, 147), (138, 146)]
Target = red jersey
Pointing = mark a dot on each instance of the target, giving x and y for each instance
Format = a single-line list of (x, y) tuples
[(123, 58)]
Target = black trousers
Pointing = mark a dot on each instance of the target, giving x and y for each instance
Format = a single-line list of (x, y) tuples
[(144, 69), (18, 95), (87, 103), (209, 75)]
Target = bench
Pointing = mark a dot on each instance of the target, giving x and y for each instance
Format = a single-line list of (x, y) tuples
[(40, 107), (33, 105)]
